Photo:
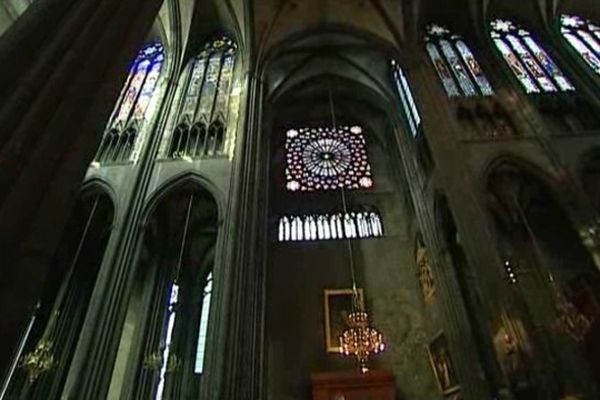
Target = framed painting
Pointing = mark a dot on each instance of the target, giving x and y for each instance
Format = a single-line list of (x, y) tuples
[(337, 304), (443, 368)]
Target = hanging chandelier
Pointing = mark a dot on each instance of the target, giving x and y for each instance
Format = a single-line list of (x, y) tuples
[(38, 361), (359, 339)]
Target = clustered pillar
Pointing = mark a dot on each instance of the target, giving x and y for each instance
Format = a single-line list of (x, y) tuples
[(64, 62)]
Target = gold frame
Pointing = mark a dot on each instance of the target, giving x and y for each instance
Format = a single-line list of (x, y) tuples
[(454, 388), (332, 344)]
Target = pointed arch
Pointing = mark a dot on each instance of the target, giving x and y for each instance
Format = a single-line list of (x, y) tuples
[(529, 62), (203, 100), (184, 178), (449, 52), (132, 107), (584, 37), (176, 272), (58, 319)]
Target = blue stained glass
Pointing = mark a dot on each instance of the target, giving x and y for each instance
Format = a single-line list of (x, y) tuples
[(405, 105), (138, 91), (459, 71), (147, 90), (411, 99), (584, 37), (474, 68), (131, 94), (465, 69), (585, 53), (536, 71), (538, 64), (406, 97), (548, 64), (516, 66), (442, 70)]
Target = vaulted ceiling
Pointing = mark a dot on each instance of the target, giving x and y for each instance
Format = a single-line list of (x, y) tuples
[(396, 21)]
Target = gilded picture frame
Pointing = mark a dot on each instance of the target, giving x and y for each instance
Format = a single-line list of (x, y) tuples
[(442, 365), (337, 306)]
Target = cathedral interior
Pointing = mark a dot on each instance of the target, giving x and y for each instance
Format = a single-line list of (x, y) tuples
[(300, 199)]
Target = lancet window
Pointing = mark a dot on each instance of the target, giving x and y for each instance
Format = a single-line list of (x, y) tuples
[(407, 99), (528, 61), (203, 328), (174, 325), (324, 158), (131, 111), (350, 225), (455, 64), (198, 120), (584, 37)]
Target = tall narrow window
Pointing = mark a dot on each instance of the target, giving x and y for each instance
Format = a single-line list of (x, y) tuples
[(529, 62), (584, 37), (323, 158), (199, 115), (203, 329), (174, 326), (130, 113), (455, 64), (406, 98), (56, 324)]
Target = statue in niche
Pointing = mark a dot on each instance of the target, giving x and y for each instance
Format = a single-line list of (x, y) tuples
[(425, 273)]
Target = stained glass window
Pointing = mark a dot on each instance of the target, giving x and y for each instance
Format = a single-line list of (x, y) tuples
[(140, 86), (407, 99), (584, 37), (528, 61), (350, 225), (119, 143), (324, 158), (455, 64), (199, 115)]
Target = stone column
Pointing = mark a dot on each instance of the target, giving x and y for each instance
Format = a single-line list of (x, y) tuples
[(477, 369), (243, 355), (64, 64)]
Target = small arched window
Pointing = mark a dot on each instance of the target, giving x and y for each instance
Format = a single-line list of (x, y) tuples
[(455, 64), (203, 100), (350, 225), (584, 37), (528, 61), (407, 99), (131, 111)]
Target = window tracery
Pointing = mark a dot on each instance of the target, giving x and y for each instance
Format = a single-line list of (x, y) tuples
[(455, 64), (198, 119), (324, 158), (528, 61), (407, 99), (350, 225), (130, 113), (584, 37)]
